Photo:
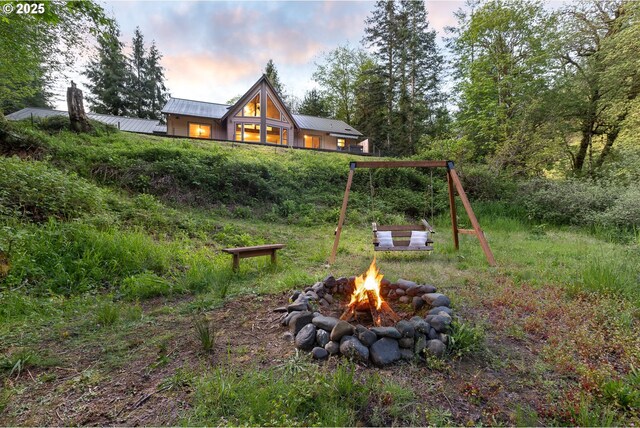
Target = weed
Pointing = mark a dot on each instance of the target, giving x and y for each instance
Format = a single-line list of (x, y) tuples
[(205, 333), (465, 340), (145, 285), (107, 315)]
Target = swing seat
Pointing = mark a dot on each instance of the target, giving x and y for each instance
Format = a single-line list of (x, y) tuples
[(401, 236)]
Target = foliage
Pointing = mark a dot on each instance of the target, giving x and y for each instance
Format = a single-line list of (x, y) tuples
[(35, 191), (271, 72), (107, 315), (205, 333), (72, 258), (465, 340), (314, 104), (408, 66), (503, 54), (306, 396), (337, 73), (37, 48)]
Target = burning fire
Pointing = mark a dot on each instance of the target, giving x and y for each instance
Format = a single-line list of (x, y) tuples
[(369, 281)]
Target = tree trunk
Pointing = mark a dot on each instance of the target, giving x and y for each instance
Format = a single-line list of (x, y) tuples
[(75, 105)]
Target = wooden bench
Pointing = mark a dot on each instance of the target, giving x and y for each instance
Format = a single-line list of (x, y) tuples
[(401, 236), (258, 250)]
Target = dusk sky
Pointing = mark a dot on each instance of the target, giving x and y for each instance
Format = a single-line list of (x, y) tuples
[(215, 50)]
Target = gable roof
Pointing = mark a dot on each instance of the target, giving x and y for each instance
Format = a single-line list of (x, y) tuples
[(129, 124), (195, 108), (326, 125)]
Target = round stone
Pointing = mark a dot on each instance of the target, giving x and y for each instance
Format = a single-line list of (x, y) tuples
[(300, 320), (414, 291), (390, 332), (438, 309), (420, 325), (367, 337), (425, 289), (385, 351), (298, 306), (404, 299), (417, 303), (436, 299), (328, 298), (352, 348), (441, 323), (406, 342), (306, 337), (341, 329), (322, 337), (436, 348), (433, 334), (405, 328), (325, 323), (332, 348), (400, 292), (319, 353), (287, 336), (287, 318), (406, 354), (404, 284)]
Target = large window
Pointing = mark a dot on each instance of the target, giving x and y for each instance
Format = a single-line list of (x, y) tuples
[(199, 130), (285, 137), (312, 141), (252, 108), (249, 132), (273, 135), (272, 111), (341, 143)]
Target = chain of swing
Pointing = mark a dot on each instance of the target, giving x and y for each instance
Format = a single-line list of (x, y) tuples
[(428, 202)]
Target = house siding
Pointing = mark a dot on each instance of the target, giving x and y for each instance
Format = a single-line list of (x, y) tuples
[(327, 142), (178, 126)]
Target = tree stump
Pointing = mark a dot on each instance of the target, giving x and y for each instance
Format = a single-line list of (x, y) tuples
[(75, 105)]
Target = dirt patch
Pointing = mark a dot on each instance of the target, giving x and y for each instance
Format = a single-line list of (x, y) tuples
[(144, 388)]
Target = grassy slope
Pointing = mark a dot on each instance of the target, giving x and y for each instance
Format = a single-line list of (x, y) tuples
[(560, 313)]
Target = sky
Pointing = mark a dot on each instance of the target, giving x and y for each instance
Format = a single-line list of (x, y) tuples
[(215, 50)]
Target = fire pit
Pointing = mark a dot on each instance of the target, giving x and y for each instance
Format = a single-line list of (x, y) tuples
[(368, 319)]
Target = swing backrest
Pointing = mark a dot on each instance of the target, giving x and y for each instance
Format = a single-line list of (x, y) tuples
[(402, 234)]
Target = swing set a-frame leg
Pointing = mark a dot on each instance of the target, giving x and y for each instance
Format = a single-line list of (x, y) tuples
[(453, 176), (343, 212)]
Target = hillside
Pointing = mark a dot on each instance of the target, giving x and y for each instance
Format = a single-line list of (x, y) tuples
[(110, 259)]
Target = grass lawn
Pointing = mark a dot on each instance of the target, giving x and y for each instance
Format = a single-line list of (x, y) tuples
[(129, 314)]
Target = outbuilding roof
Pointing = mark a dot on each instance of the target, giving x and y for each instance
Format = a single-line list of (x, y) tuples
[(195, 108), (129, 124)]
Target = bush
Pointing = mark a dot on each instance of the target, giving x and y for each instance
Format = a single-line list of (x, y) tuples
[(72, 258), (480, 183), (35, 191), (565, 202)]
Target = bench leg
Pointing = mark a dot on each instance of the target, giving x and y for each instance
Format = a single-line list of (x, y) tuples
[(236, 262), (274, 258)]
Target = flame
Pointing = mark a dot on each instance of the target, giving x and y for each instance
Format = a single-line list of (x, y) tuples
[(369, 281)]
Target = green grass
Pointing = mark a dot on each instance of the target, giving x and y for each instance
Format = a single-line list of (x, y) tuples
[(115, 223)]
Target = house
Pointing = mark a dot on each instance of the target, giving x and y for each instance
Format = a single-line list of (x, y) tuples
[(259, 116)]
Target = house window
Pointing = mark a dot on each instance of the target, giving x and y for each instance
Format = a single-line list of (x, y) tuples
[(341, 143), (272, 111), (252, 108), (273, 134), (285, 137), (312, 141), (199, 130), (251, 132)]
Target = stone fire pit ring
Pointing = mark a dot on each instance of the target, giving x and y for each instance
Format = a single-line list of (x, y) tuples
[(409, 339)]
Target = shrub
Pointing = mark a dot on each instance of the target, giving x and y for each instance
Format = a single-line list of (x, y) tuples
[(71, 258), (565, 202), (205, 333), (107, 315), (144, 286), (33, 190), (465, 340)]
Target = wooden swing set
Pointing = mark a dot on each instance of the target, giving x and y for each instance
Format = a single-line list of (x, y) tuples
[(404, 231)]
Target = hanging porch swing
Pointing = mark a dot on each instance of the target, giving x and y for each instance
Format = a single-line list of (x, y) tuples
[(419, 234)]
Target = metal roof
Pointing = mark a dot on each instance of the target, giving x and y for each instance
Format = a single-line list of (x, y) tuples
[(195, 108), (326, 125), (129, 124)]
